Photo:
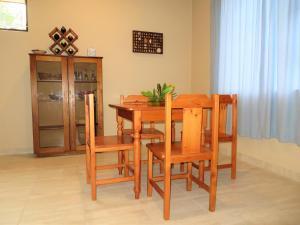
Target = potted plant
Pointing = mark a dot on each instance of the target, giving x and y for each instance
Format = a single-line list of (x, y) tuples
[(157, 96)]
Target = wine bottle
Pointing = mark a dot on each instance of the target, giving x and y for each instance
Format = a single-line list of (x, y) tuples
[(63, 29), (56, 36), (70, 38), (71, 51), (57, 50)]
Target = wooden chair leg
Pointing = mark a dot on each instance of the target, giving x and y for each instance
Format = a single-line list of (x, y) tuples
[(209, 164), (88, 169), (161, 165), (161, 139), (189, 177), (233, 159), (181, 167), (120, 161), (150, 173), (173, 131), (167, 191), (201, 171), (126, 163), (93, 176), (213, 186)]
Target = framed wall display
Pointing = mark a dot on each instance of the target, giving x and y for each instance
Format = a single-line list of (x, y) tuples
[(147, 42)]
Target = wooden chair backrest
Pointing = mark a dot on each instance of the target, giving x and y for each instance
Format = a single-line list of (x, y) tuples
[(225, 102), (193, 107), (89, 121), (133, 99)]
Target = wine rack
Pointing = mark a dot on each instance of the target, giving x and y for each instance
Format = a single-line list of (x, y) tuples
[(63, 41)]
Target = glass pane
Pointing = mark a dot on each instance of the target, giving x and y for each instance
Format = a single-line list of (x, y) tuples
[(52, 138), (13, 16), (80, 135), (85, 76), (50, 104)]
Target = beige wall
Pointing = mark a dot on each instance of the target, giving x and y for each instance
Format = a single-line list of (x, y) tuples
[(107, 26), (201, 46), (278, 157)]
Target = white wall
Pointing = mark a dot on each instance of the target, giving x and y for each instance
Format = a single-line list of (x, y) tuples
[(107, 26)]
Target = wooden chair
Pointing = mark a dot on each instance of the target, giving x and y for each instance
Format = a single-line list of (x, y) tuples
[(191, 148), (226, 101), (102, 144)]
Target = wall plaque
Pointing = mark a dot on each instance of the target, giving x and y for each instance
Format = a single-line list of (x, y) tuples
[(147, 42)]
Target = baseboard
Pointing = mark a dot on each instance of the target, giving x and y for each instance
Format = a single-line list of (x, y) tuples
[(15, 151), (281, 171)]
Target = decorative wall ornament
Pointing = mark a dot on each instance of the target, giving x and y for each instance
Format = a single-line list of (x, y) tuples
[(63, 41), (147, 42)]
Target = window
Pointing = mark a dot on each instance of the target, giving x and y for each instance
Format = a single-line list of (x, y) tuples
[(13, 15), (256, 54)]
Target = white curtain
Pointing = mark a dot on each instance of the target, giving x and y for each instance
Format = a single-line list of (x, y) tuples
[(256, 54)]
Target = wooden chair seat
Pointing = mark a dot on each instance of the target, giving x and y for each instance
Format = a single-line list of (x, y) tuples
[(176, 152), (113, 143), (147, 133)]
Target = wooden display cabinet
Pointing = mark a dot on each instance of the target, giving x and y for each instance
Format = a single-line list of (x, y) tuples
[(58, 85)]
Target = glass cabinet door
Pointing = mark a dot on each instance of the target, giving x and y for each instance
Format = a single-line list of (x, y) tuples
[(51, 129), (84, 78)]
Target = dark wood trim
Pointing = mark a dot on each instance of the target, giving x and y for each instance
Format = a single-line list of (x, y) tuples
[(65, 91), (50, 55), (34, 104), (72, 104), (100, 98)]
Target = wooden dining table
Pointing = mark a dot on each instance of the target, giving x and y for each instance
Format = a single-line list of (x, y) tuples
[(138, 114)]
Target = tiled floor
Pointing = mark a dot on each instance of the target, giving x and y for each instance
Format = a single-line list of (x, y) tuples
[(38, 191)]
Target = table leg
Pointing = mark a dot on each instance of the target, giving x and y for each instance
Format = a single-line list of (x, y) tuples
[(137, 153), (120, 125)]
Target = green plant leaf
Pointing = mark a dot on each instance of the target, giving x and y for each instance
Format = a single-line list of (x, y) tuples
[(158, 94), (164, 86), (147, 93), (158, 87), (168, 89)]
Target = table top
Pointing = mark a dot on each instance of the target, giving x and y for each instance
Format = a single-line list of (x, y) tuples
[(148, 112), (137, 107)]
